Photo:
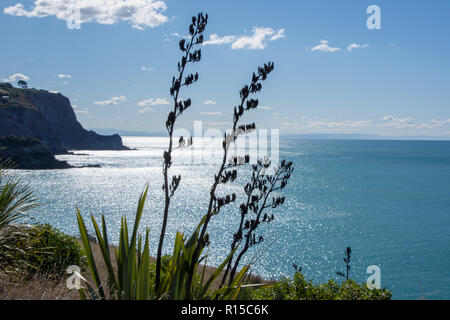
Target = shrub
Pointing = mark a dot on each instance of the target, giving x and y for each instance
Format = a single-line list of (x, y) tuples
[(165, 264), (298, 288), (53, 251), (16, 199)]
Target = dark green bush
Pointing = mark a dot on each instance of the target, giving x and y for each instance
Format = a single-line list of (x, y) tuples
[(53, 251), (165, 260), (298, 288)]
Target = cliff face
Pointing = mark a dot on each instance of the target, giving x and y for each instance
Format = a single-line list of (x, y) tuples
[(29, 153), (50, 118)]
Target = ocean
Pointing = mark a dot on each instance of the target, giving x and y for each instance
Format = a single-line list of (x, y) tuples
[(388, 200)]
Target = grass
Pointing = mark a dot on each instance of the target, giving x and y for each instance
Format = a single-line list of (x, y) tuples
[(18, 98)]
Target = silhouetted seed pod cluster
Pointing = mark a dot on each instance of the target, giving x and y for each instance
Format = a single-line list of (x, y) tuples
[(249, 224), (196, 56), (238, 112), (252, 104), (264, 71), (167, 158), (346, 259), (277, 202), (185, 142), (190, 79), (170, 120), (296, 267), (220, 202), (258, 192), (174, 184), (347, 253), (244, 209), (200, 22), (253, 205), (176, 84), (266, 218), (264, 163), (196, 29), (246, 128), (248, 188), (182, 105), (254, 241), (240, 160), (182, 45), (228, 176), (254, 87)]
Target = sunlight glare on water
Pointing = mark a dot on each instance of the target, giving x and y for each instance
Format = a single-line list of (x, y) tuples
[(388, 200)]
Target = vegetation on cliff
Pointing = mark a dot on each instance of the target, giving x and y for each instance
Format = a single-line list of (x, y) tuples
[(28, 153)]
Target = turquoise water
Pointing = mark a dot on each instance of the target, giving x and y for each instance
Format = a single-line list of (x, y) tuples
[(388, 200)]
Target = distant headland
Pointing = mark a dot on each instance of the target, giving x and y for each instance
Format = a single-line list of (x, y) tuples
[(48, 118)]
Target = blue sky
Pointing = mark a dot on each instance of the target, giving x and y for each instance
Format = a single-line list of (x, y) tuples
[(117, 67)]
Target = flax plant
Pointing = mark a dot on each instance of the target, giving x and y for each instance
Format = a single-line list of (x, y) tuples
[(185, 275), (16, 200)]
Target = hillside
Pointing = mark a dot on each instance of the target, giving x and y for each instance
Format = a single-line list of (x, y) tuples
[(28, 153)]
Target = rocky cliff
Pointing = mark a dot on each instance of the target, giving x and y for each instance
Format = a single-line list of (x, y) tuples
[(50, 118), (28, 153)]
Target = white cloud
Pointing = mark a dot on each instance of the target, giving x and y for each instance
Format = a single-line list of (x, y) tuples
[(318, 125), (326, 125), (64, 76), (356, 46), (211, 113), (323, 46), (209, 102), (408, 122), (289, 124), (215, 39), (144, 68), (16, 77), (112, 101), (153, 102), (255, 41), (279, 35), (147, 109), (323, 123), (139, 13), (81, 111), (442, 122), (217, 124), (265, 108)]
